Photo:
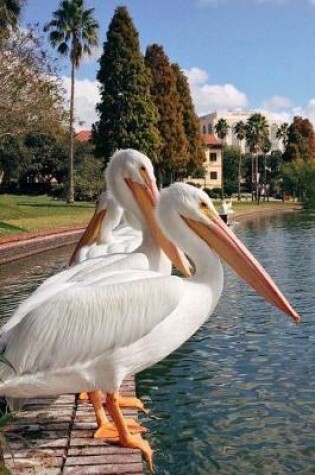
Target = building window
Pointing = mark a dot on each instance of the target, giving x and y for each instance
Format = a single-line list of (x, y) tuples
[(210, 130), (213, 157), (213, 175), (204, 129)]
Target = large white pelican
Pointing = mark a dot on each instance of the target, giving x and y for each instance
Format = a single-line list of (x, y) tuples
[(138, 196), (106, 233), (95, 336)]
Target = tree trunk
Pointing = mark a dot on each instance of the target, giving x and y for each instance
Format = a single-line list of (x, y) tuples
[(222, 176), (253, 177), (256, 176), (71, 148), (239, 173)]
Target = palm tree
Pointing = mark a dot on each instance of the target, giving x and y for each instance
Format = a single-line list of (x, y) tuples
[(282, 133), (266, 147), (73, 31), (257, 129), (240, 132), (221, 129)]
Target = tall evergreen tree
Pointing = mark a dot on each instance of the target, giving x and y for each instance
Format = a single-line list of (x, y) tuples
[(128, 116), (196, 153), (174, 147)]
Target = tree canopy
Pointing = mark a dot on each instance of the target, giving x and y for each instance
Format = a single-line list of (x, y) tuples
[(31, 95), (128, 116), (9, 15), (300, 142)]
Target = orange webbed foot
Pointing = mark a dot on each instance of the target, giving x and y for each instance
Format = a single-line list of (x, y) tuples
[(136, 442), (84, 397), (132, 402), (108, 430)]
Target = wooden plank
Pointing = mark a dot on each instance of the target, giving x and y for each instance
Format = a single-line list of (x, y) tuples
[(59, 432), (99, 449), (101, 459), (130, 469)]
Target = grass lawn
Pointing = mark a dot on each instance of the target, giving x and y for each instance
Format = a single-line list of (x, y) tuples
[(22, 214), (249, 206)]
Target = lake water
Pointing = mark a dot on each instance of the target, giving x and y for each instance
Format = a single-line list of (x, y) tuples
[(239, 397)]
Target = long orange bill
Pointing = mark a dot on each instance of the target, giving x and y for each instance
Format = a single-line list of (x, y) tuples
[(220, 237), (146, 198), (90, 235)]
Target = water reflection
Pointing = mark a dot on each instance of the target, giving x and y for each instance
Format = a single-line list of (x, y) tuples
[(238, 398), (18, 279)]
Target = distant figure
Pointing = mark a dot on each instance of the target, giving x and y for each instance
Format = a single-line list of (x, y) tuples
[(223, 211), (262, 193)]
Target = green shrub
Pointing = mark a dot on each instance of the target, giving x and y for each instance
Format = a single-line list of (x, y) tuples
[(214, 193)]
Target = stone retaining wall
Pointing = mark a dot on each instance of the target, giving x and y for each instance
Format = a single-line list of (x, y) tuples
[(13, 250)]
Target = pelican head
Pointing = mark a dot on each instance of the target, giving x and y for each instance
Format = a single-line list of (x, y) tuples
[(194, 209), (106, 217), (131, 180)]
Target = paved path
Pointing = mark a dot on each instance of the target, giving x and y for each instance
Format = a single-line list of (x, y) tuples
[(58, 439)]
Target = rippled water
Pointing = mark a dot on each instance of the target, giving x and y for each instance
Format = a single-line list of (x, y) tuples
[(238, 398)]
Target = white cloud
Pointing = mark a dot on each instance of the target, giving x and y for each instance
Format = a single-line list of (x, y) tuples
[(197, 76), (208, 97), (86, 97), (277, 103)]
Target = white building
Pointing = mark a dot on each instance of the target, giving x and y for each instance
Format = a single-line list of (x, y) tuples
[(209, 121), (212, 164)]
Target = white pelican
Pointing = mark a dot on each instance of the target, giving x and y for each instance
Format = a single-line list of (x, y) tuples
[(95, 336), (138, 195), (103, 236)]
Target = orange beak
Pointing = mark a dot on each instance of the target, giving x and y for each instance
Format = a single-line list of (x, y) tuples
[(146, 197), (220, 237), (90, 235)]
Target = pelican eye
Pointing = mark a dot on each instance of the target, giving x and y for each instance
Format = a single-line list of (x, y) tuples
[(143, 168), (203, 205)]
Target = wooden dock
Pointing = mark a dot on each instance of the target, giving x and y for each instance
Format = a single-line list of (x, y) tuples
[(55, 436)]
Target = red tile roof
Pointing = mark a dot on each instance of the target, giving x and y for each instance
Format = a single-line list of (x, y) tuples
[(83, 136), (211, 140)]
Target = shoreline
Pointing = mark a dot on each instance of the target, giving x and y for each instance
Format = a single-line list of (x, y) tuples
[(18, 246)]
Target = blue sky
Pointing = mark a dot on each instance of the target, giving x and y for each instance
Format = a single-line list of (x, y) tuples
[(237, 53)]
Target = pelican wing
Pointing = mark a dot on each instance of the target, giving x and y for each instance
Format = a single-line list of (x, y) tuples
[(84, 322), (86, 273)]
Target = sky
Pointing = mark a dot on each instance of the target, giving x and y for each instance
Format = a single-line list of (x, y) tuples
[(237, 54)]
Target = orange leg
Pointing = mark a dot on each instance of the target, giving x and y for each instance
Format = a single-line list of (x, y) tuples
[(130, 402), (105, 428), (125, 437)]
